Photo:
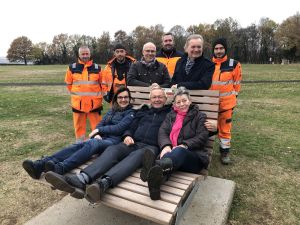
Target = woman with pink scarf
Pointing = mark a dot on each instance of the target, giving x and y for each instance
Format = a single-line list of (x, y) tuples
[(182, 137)]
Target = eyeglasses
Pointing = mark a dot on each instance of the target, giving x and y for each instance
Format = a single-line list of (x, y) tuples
[(157, 97), (123, 97)]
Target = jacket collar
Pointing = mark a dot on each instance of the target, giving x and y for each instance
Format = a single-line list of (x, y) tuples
[(219, 60)]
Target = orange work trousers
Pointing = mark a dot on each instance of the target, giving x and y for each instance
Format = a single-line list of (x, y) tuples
[(79, 120), (224, 127)]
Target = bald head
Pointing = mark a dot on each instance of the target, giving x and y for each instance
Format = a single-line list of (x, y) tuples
[(149, 52)]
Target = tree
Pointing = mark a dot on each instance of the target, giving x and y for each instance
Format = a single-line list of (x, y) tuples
[(288, 37), (179, 37), (20, 50), (103, 52)]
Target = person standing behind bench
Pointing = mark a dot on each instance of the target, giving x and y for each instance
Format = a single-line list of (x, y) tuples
[(193, 71), (168, 54), (121, 160), (108, 132), (181, 138), (227, 79), (83, 81), (115, 72), (148, 70)]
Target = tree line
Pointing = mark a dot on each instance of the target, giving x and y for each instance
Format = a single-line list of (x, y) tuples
[(263, 43)]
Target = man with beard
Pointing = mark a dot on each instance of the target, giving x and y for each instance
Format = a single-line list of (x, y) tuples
[(227, 79), (114, 74), (168, 55)]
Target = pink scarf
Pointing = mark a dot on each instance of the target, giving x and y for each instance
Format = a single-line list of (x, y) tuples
[(177, 126)]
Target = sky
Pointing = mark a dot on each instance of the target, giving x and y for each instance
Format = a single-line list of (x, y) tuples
[(41, 20)]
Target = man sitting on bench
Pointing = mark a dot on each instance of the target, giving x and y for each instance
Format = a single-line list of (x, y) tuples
[(121, 160)]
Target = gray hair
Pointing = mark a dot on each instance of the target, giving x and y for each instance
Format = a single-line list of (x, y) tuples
[(149, 43), (155, 86), (181, 91), (83, 47), (191, 37)]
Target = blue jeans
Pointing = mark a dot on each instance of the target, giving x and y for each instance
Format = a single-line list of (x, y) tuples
[(77, 154), (185, 160)]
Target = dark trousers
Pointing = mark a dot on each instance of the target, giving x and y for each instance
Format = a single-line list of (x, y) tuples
[(77, 154), (118, 162), (185, 160)]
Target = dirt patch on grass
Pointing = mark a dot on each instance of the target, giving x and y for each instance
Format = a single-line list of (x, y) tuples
[(22, 198)]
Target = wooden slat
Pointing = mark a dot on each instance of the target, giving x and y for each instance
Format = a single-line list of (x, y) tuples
[(137, 95), (188, 174), (211, 115), (145, 191), (137, 209), (210, 93), (207, 100), (208, 107), (181, 181), (140, 101), (168, 189), (176, 185), (143, 200), (138, 88)]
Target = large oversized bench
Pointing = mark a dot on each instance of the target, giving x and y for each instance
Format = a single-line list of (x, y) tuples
[(132, 195)]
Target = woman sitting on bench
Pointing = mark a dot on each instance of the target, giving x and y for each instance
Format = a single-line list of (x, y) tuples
[(182, 137), (108, 132)]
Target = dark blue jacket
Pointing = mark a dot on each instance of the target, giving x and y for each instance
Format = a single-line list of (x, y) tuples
[(146, 124), (200, 76), (114, 123)]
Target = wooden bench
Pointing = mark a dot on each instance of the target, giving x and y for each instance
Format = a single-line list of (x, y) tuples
[(132, 195)]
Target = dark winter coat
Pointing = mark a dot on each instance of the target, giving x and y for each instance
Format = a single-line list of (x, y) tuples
[(193, 133), (115, 123), (200, 76), (141, 75), (146, 124)]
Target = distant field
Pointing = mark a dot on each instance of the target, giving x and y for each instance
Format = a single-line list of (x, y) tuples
[(37, 120)]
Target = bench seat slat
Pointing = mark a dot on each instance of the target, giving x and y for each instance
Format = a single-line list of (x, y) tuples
[(143, 211)]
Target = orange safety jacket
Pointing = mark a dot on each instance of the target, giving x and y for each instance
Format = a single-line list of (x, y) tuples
[(110, 80), (169, 61), (227, 79), (84, 84)]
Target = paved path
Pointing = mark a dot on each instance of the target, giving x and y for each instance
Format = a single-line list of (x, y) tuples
[(210, 206)]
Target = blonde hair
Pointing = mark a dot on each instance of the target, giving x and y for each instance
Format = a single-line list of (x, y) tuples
[(191, 37)]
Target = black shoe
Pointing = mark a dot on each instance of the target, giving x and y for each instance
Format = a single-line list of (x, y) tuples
[(55, 167), (61, 183), (95, 191), (155, 178), (34, 168), (148, 162)]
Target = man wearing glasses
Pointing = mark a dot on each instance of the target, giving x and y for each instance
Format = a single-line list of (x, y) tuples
[(148, 70)]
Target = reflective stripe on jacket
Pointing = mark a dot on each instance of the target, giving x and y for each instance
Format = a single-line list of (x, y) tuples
[(227, 79), (84, 83)]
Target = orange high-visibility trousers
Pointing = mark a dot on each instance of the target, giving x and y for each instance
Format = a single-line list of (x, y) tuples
[(79, 120), (224, 127)]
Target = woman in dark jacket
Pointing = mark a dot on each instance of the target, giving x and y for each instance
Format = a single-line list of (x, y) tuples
[(108, 132), (182, 137)]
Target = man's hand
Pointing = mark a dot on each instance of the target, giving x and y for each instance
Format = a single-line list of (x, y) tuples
[(164, 151), (211, 125), (98, 137), (93, 133), (128, 141)]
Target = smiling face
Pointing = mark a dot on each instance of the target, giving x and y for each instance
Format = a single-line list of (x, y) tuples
[(84, 54), (123, 99), (182, 102), (157, 98), (120, 54), (194, 48), (168, 42), (149, 52)]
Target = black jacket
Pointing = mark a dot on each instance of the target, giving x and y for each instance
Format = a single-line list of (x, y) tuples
[(193, 132), (145, 126), (200, 76), (140, 75)]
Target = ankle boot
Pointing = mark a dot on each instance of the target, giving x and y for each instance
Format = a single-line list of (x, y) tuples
[(148, 162), (34, 168), (55, 167), (225, 159), (157, 175), (95, 191)]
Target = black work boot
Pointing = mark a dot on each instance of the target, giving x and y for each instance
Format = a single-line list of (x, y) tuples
[(148, 162), (95, 191), (34, 168), (225, 159), (157, 175)]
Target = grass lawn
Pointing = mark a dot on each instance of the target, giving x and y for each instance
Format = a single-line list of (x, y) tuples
[(37, 120)]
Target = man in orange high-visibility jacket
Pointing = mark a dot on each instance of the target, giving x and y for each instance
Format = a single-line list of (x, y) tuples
[(227, 79), (168, 55), (115, 72), (83, 81)]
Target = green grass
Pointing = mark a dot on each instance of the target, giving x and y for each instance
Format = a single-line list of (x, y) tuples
[(37, 121)]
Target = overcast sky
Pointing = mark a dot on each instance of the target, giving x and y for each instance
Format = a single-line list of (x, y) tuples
[(40, 20)]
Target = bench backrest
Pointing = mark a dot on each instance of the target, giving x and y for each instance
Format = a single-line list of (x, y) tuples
[(207, 100)]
